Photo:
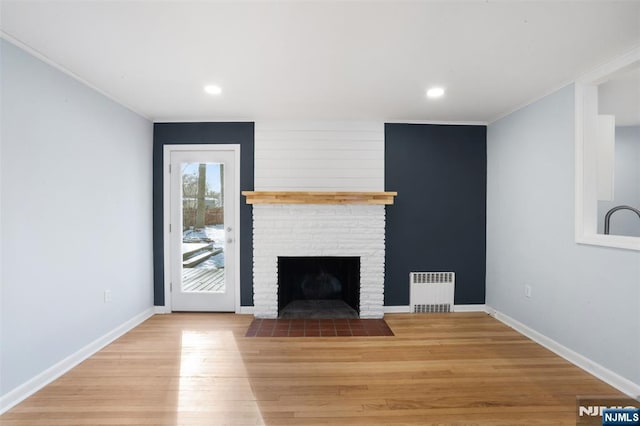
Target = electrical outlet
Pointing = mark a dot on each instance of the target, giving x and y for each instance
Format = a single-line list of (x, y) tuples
[(107, 296), (527, 290)]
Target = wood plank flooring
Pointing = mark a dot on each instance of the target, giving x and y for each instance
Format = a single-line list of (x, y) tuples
[(199, 369)]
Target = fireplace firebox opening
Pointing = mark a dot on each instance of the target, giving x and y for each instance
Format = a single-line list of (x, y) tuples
[(318, 287)]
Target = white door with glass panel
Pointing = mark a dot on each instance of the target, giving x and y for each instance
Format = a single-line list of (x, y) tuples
[(202, 236)]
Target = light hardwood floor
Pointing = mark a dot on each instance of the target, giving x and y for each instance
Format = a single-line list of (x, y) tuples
[(199, 369)]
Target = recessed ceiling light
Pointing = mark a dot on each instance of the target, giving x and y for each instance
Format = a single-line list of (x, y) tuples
[(212, 89), (435, 92)]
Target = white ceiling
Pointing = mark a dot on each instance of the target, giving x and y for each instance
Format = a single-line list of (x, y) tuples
[(324, 60)]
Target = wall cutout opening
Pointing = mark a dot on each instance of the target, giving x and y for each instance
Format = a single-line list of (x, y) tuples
[(318, 287), (607, 101)]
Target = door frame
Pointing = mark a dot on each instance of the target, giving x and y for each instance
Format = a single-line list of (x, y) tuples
[(166, 214)]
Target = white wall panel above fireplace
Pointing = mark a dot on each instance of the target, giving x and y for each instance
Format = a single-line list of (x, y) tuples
[(319, 156)]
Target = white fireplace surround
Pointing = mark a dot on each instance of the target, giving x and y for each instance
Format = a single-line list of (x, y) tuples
[(320, 157), (318, 230)]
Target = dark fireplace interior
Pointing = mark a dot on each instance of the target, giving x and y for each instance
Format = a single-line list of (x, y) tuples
[(318, 287)]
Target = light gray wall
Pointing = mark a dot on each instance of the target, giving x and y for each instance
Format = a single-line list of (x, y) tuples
[(626, 184), (584, 297), (76, 216)]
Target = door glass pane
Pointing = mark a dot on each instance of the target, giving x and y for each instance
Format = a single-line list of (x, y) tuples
[(202, 227)]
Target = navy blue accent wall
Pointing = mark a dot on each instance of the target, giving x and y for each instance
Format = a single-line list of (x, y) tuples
[(438, 220), (204, 133)]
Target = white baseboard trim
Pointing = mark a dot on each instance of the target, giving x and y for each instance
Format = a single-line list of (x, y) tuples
[(469, 308), (36, 383), (246, 310), (165, 310), (397, 309), (456, 308), (622, 384)]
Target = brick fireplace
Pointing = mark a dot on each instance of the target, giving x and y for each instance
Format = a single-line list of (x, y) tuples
[(353, 229)]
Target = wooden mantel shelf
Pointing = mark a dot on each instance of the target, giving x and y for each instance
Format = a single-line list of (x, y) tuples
[(318, 197)]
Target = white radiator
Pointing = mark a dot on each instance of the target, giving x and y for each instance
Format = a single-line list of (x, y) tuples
[(432, 291)]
